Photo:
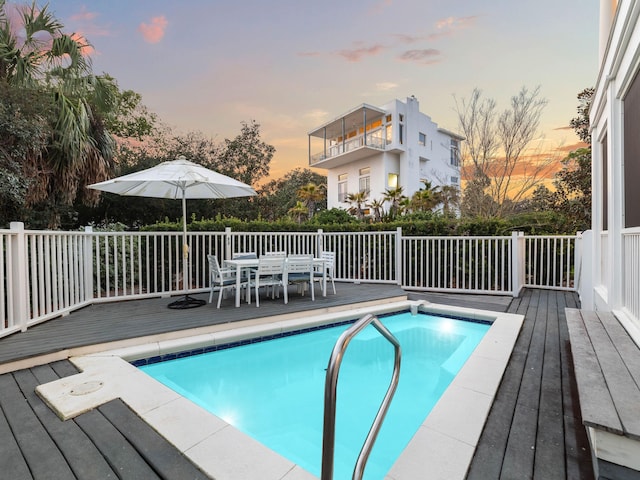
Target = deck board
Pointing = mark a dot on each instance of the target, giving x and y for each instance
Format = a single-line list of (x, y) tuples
[(534, 429)]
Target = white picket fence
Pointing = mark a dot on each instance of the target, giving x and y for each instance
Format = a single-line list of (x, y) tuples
[(45, 274)]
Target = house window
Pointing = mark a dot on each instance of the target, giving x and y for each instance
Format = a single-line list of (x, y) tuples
[(631, 155), (455, 152), (365, 180), (342, 187), (388, 117), (454, 180), (422, 139), (392, 180), (400, 133)]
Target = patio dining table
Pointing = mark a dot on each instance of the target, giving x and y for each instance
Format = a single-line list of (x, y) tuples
[(241, 264)]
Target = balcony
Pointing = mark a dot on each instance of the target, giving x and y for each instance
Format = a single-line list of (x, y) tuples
[(356, 134), (355, 148)]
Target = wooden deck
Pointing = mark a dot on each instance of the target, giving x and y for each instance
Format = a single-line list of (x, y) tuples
[(533, 431)]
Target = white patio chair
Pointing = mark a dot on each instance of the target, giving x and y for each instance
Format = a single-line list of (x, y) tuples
[(329, 269), (243, 255), (268, 274), (298, 270), (221, 278)]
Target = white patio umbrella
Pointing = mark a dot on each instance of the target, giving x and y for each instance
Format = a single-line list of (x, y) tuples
[(178, 179)]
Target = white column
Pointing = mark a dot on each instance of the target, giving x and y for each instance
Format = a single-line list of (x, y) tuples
[(19, 287), (607, 11)]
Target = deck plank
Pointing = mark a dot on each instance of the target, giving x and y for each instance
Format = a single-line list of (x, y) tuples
[(41, 454)]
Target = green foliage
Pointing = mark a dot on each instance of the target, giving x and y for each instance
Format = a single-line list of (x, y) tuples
[(277, 197)]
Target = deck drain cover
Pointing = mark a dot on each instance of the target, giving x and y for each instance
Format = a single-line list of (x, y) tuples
[(86, 388)]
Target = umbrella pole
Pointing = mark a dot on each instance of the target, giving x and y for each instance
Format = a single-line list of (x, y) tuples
[(187, 301)]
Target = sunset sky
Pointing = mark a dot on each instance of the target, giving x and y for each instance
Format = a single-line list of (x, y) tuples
[(291, 65)]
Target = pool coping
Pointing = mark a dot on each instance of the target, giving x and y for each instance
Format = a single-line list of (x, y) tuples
[(443, 446)]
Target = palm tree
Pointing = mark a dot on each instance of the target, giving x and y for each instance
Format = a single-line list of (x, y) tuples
[(80, 150), (395, 197), (426, 199), (298, 211), (310, 194), (377, 206), (357, 200)]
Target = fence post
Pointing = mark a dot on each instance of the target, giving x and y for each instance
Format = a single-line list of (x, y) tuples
[(517, 262), (228, 248), (584, 269), (399, 259), (319, 243), (87, 244), (20, 288)]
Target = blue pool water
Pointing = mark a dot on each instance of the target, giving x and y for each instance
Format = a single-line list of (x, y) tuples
[(274, 390)]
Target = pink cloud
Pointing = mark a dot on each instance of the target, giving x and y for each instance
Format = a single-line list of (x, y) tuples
[(427, 56), (356, 54), (448, 26), (84, 15), (154, 31)]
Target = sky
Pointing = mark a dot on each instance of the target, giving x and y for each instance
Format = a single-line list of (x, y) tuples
[(291, 65)]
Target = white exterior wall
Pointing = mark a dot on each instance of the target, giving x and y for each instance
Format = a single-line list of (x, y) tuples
[(619, 64), (411, 161)]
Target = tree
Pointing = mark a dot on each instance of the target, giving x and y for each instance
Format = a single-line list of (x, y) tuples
[(395, 197), (356, 202), (450, 198), (311, 194), (497, 161), (79, 149), (377, 207), (425, 199), (246, 157), (298, 211), (277, 196), (580, 124)]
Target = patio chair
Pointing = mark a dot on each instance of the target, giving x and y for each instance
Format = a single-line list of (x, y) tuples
[(221, 278), (329, 267), (298, 270), (268, 274)]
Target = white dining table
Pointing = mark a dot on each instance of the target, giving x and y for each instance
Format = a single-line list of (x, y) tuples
[(248, 263)]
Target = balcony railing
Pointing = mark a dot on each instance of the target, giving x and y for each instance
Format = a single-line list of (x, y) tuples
[(374, 139), (46, 274)]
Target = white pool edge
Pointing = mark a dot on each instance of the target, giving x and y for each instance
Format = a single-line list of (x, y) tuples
[(443, 446)]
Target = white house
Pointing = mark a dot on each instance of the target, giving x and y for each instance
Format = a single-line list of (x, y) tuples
[(372, 149), (611, 277), (614, 270)]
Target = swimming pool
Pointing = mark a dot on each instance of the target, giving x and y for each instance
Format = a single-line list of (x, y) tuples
[(274, 390), (443, 445)]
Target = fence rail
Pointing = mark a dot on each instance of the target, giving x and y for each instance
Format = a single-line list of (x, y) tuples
[(45, 274)]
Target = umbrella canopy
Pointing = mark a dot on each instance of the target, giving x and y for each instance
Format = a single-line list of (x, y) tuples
[(178, 179)]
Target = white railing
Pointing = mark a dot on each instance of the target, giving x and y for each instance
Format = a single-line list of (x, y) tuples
[(550, 262), (631, 298), (460, 264), (45, 274), (373, 139)]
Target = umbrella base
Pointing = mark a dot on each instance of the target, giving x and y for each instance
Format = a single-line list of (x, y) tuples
[(186, 302)]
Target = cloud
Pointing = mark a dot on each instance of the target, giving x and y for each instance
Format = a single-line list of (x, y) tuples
[(405, 38), (380, 7), (357, 54), (309, 54), (84, 23), (450, 25), (154, 31), (426, 56), (86, 48), (386, 86)]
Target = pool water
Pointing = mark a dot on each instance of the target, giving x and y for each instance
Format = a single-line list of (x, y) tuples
[(274, 390)]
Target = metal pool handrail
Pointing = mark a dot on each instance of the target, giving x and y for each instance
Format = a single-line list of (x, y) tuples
[(330, 394)]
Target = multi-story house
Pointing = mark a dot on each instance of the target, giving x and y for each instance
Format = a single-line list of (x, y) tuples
[(371, 149), (615, 135)]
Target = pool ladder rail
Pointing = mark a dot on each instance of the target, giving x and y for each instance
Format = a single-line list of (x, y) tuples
[(330, 393)]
